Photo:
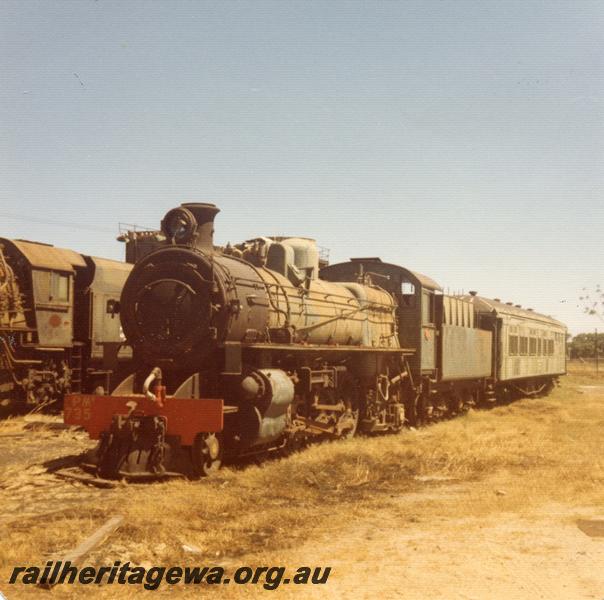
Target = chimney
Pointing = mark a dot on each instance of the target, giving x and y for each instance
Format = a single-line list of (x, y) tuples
[(497, 299), (472, 293), (204, 215)]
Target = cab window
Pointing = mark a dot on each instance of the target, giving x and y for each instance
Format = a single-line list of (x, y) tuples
[(59, 287), (427, 308), (407, 294)]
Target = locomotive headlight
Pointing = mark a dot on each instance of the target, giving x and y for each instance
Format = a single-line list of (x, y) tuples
[(179, 226)]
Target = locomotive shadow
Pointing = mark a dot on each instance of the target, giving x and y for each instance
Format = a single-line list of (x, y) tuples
[(35, 426), (71, 460)]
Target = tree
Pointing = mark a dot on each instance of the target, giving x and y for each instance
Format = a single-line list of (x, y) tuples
[(592, 302), (583, 345)]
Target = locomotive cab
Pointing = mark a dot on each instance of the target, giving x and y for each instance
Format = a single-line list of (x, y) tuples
[(415, 299)]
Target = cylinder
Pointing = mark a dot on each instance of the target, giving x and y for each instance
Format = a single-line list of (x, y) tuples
[(269, 394)]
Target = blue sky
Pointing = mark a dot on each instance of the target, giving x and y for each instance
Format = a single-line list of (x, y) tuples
[(460, 139)]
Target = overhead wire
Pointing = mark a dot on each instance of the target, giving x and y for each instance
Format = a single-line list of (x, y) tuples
[(54, 222)]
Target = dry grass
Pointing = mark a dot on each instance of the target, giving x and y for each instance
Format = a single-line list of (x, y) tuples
[(520, 456), (586, 370), (15, 425)]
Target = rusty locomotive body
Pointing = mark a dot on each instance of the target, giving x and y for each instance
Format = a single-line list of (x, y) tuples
[(257, 346), (58, 330)]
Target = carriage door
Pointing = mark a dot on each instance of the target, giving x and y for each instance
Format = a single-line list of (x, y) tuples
[(428, 332)]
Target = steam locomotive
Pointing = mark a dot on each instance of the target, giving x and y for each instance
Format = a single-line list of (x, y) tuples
[(58, 330), (262, 345)]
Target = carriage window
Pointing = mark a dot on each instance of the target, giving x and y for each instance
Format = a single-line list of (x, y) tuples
[(532, 346), (513, 350), (539, 347), (59, 287), (523, 345), (549, 347)]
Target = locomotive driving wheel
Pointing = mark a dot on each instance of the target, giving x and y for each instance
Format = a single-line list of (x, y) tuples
[(206, 454)]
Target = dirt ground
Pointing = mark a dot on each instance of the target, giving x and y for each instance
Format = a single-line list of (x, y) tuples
[(27, 488), (542, 554), (446, 538), (509, 554)]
